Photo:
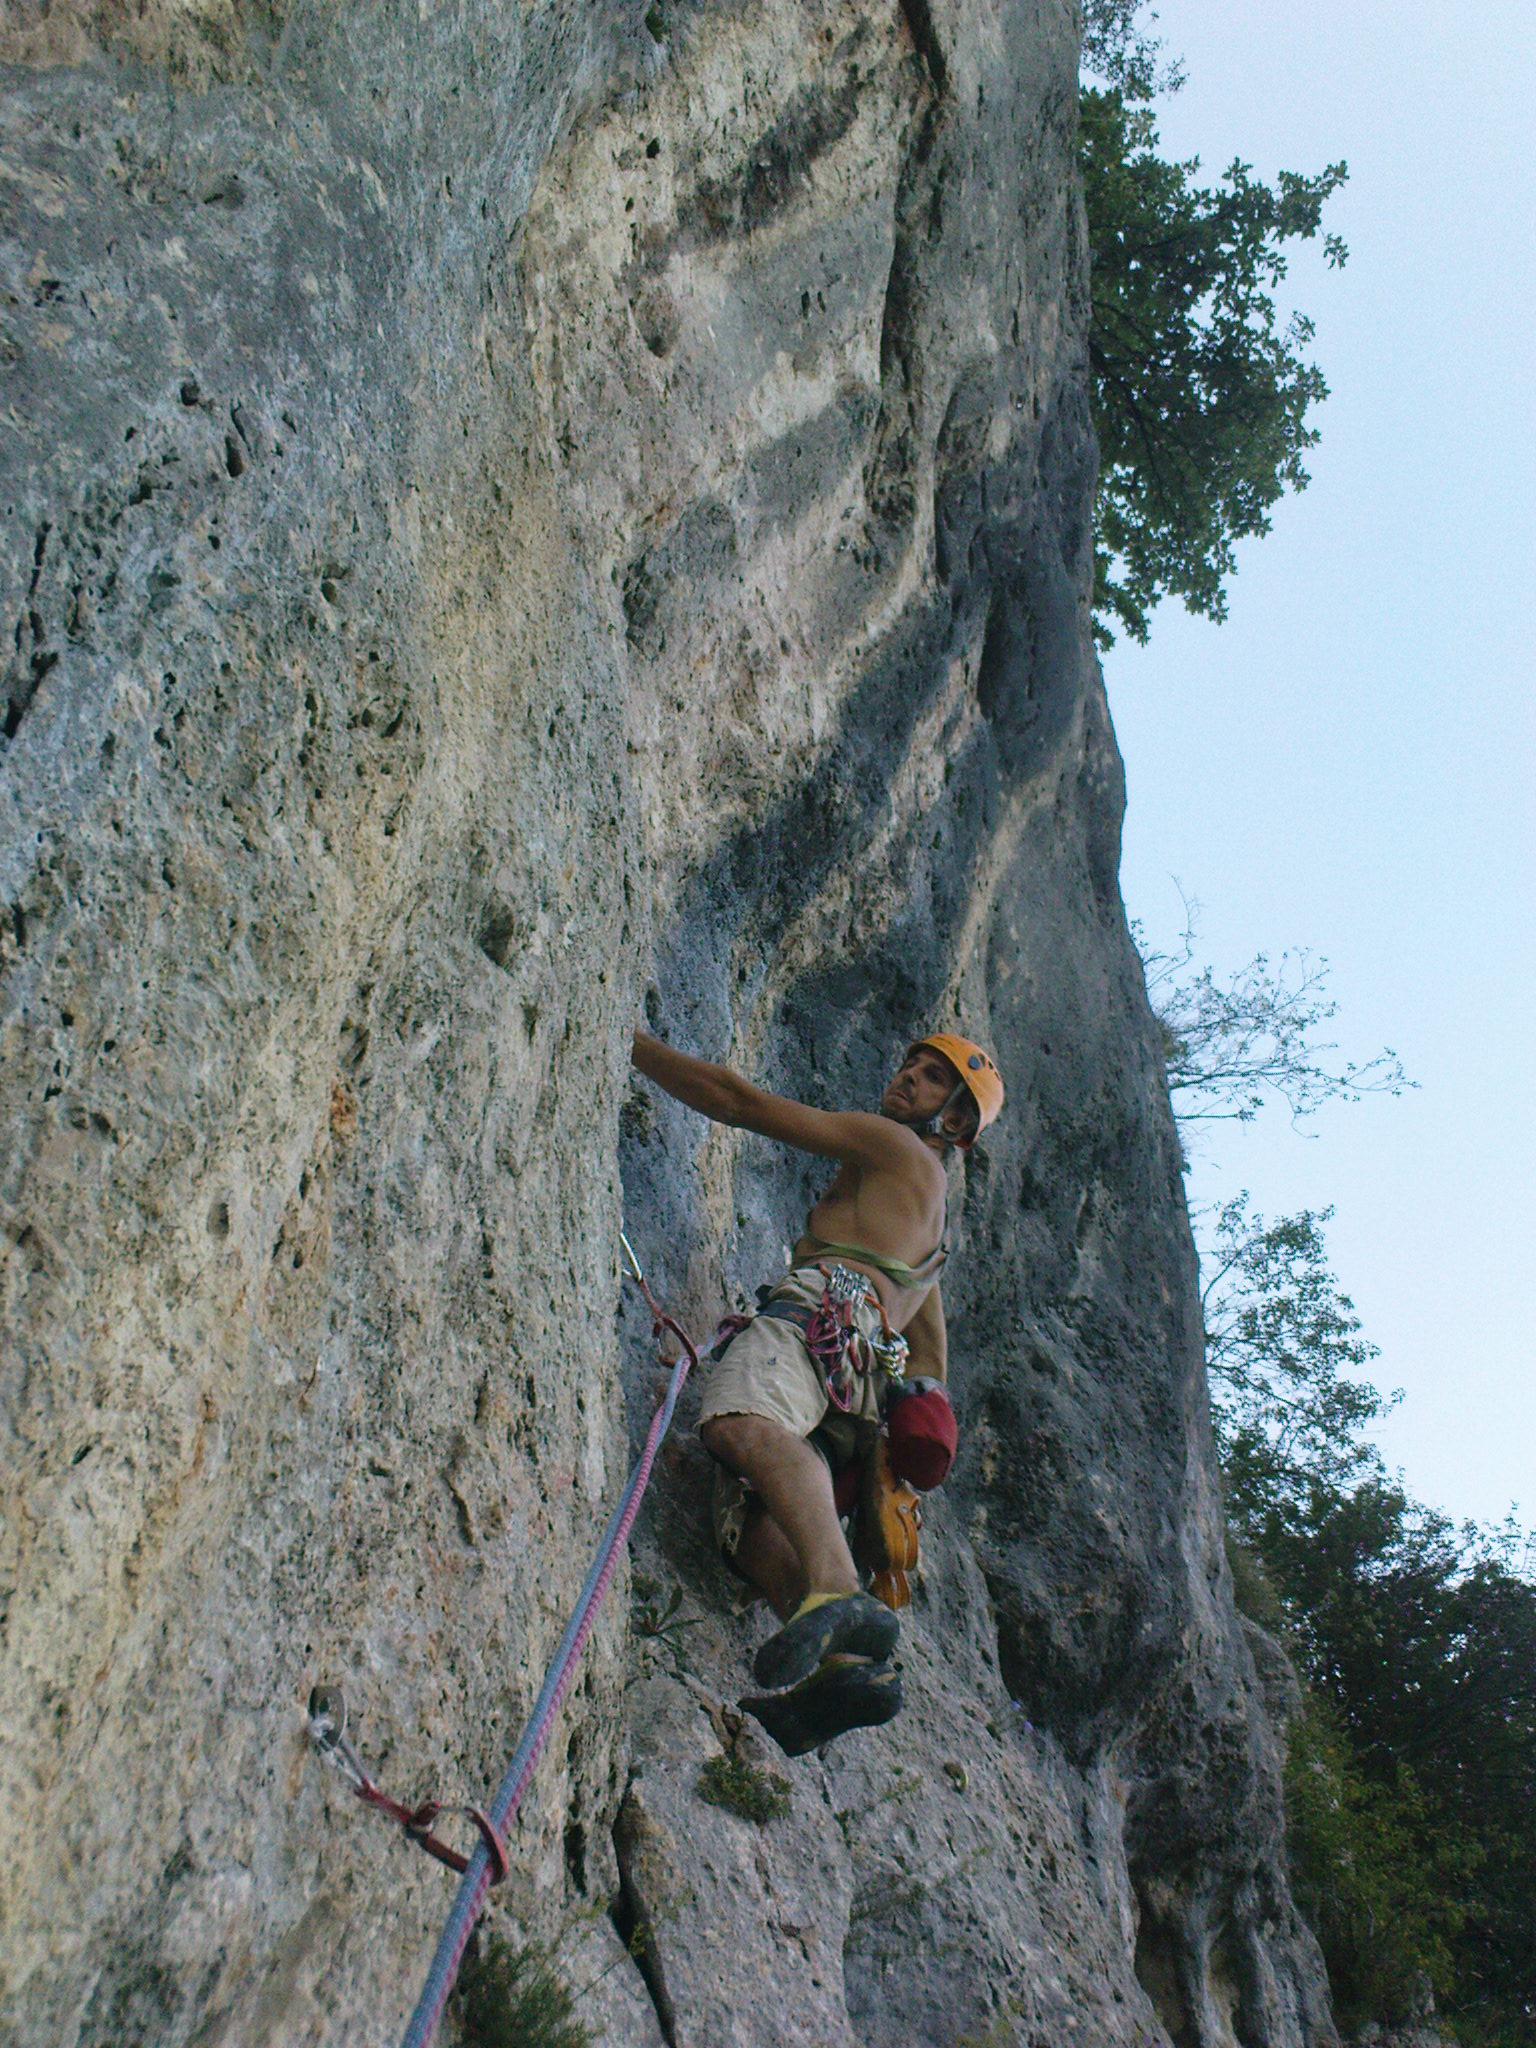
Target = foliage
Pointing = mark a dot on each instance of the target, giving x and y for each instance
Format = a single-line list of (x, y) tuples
[(1385, 1912), (1005, 2029), (1253, 1590), (741, 1788), (1283, 1346), (1201, 391), (1418, 1642), (1412, 1776), (659, 1622), (1411, 1785), (1117, 50), (1232, 1044), (513, 1998)]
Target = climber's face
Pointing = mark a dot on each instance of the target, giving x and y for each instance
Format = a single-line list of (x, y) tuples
[(920, 1088)]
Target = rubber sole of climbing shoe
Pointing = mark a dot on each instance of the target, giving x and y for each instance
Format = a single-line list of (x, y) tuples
[(827, 1704), (856, 1623)]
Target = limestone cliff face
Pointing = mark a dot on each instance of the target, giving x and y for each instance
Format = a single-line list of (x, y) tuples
[(514, 513)]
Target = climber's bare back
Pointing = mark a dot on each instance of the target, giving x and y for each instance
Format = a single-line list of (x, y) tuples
[(888, 1193)]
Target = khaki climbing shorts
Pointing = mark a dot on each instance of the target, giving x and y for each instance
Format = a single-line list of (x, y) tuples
[(769, 1371)]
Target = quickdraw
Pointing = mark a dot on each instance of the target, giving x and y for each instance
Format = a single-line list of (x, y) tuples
[(328, 1732), (834, 1337)]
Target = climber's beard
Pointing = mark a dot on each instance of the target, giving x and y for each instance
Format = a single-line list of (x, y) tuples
[(914, 1101)]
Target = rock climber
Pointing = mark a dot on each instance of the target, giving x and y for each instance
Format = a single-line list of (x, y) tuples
[(851, 1335)]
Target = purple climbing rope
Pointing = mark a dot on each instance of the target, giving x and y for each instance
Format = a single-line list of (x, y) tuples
[(478, 1877)]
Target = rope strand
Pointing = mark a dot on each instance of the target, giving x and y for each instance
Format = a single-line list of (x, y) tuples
[(479, 1875)]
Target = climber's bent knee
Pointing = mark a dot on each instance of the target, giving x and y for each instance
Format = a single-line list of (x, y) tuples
[(735, 1438)]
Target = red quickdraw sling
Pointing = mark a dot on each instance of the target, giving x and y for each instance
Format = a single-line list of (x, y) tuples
[(328, 1732)]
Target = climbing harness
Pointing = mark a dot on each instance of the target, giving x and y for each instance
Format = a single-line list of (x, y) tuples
[(923, 1274), (833, 1337), (487, 1862)]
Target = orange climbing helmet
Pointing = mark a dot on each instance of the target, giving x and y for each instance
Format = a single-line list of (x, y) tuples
[(978, 1075)]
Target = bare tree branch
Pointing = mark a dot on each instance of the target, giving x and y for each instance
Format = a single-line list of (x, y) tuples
[(1230, 1045)]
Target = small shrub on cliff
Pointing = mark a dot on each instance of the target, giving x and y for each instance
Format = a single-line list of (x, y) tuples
[(741, 1788), (659, 1624), (513, 1998), (1235, 1043)]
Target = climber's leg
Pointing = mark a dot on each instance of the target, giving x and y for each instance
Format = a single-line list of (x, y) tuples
[(792, 1482), (766, 1558)]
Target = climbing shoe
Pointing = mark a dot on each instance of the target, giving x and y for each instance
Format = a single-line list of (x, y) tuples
[(827, 1704), (820, 1626)]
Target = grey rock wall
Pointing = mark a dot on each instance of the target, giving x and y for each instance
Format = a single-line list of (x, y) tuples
[(513, 515)]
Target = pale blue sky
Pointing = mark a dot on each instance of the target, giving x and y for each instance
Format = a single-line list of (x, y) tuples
[(1348, 763)]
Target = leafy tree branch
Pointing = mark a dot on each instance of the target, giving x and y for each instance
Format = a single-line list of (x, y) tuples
[(1284, 1351), (1201, 388)]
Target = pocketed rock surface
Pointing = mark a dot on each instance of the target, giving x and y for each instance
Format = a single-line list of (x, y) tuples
[(517, 516)]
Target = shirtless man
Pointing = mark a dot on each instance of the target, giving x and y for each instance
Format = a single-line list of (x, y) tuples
[(801, 1391)]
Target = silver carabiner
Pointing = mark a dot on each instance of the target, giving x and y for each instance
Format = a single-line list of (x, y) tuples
[(890, 1349), (328, 1732), (846, 1287)]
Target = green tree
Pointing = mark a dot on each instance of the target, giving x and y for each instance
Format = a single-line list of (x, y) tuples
[(1414, 1837), (1119, 52), (1284, 1351), (1201, 390), (1411, 1780), (1380, 1884), (1411, 1776)]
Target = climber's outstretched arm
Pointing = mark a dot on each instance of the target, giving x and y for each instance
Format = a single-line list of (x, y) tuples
[(727, 1098)]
